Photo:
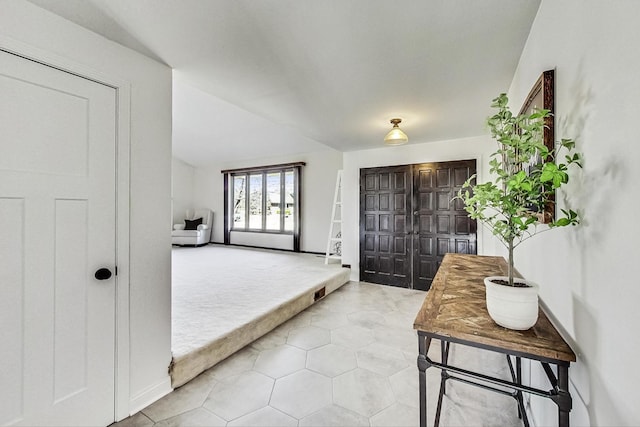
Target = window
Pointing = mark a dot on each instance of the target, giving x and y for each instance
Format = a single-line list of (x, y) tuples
[(289, 205), (255, 199), (239, 202), (264, 199), (273, 206)]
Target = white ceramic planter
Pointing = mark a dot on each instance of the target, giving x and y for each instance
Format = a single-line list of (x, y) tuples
[(512, 307)]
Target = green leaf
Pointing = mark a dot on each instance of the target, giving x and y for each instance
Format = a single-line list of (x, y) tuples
[(505, 204), (546, 176)]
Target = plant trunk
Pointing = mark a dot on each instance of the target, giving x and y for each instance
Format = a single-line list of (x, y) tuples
[(510, 271)]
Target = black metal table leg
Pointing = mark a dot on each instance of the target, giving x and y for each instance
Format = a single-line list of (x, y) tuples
[(520, 396), (564, 398), (514, 388), (445, 360), (516, 376), (423, 348), (444, 376)]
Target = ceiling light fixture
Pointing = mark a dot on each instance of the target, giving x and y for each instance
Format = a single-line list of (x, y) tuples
[(395, 135)]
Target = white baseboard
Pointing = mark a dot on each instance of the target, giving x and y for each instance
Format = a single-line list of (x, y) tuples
[(355, 275), (150, 395)]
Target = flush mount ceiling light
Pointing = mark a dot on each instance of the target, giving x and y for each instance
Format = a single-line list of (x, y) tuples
[(395, 135)]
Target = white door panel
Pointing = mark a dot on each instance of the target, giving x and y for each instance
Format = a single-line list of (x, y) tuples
[(57, 227)]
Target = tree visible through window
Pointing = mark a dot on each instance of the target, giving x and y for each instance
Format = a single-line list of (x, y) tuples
[(239, 200), (273, 208), (289, 200), (255, 201), (264, 200)]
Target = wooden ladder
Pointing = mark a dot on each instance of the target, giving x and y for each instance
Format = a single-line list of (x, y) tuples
[(334, 241)]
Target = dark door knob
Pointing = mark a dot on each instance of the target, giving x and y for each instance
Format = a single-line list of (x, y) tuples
[(103, 274)]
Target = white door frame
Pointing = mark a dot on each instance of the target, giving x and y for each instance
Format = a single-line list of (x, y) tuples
[(123, 143)]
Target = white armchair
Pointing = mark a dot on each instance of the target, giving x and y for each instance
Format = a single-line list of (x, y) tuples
[(196, 230)]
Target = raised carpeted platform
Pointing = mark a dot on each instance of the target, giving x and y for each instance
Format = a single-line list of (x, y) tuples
[(226, 297)]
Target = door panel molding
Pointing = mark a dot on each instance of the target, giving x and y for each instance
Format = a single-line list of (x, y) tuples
[(123, 148), (442, 225), (408, 222), (385, 221), (68, 344)]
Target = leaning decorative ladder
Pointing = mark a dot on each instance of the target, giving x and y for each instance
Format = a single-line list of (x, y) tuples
[(334, 241)]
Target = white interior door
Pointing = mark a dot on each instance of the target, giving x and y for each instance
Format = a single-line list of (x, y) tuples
[(57, 227)]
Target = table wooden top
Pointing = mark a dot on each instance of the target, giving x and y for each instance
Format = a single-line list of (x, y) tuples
[(455, 307)]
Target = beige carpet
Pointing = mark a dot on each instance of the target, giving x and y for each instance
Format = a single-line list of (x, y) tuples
[(226, 297)]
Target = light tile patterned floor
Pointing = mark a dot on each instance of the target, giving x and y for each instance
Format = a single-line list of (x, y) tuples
[(349, 360)]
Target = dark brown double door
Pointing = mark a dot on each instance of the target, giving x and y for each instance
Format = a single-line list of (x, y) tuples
[(408, 221)]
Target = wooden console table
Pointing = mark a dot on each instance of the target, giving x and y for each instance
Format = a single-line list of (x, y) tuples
[(455, 311)]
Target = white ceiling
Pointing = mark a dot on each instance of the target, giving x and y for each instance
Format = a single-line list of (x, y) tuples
[(271, 77)]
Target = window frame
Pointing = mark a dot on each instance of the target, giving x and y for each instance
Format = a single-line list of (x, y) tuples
[(229, 202), (264, 200)]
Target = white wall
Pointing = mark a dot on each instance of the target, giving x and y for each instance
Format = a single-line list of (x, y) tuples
[(476, 148), (588, 274), (149, 264), (318, 185), (182, 187)]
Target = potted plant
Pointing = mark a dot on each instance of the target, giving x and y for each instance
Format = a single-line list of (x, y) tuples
[(527, 175)]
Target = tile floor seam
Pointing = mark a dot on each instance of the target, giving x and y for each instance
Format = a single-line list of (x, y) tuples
[(213, 413), (148, 417), (318, 382), (284, 413), (151, 419), (271, 393), (384, 409)]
